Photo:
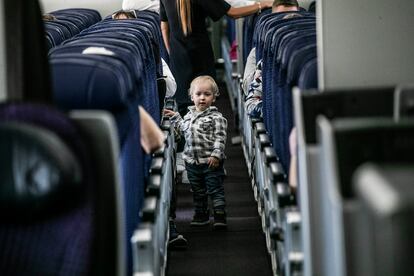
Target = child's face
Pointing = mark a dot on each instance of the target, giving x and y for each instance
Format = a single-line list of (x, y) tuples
[(202, 96)]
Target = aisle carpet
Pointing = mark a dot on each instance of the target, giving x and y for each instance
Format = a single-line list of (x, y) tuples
[(241, 249)]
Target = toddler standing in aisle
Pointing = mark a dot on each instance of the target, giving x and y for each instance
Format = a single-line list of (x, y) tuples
[(205, 131)]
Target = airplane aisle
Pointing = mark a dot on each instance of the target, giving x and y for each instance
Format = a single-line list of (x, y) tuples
[(239, 250)]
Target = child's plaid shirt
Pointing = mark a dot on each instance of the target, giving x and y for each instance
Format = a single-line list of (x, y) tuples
[(205, 134)]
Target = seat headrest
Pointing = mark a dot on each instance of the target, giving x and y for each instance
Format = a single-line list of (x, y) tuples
[(44, 161), (40, 174)]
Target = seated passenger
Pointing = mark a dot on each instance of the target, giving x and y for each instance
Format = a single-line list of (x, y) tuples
[(48, 17), (253, 80), (249, 71), (124, 14), (205, 131)]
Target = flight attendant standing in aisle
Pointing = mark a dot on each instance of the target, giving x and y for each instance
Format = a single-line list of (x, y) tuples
[(183, 25)]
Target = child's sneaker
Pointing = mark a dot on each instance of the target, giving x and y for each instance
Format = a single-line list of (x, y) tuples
[(220, 221), (176, 239), (200, 218)]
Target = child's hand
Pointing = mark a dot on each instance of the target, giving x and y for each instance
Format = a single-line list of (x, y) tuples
[(213, 162), (168, 112)]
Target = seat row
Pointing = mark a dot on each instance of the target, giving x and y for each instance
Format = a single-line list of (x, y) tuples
[(64, 24), (114, 65), (349, 151), (321, 229), (89, 196), (286, 44)]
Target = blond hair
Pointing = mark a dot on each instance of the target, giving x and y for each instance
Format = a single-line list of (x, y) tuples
[(184, 13), (213, 85)]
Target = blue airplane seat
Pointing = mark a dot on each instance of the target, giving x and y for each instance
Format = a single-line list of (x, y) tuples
[(98, 82), (54, 33), (267, 23), (62, 27), (50, 197), (281, 100), (128, 40), (312, 7), (249, 24), (281, 30), (89, 16), (49, 42), (81, 20), (308, 77), (78, 22), (132, 25), (69, 25), (53, 36), (142, 40), (230, 30), (154, 18), (125, 55), (266, 49)]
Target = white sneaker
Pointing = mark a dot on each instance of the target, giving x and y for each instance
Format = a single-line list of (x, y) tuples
[(184, 178), (180, 163)]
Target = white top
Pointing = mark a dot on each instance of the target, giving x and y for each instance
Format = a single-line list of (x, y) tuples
[(169, 80), (240, 3), (152, 5), (249, 70)]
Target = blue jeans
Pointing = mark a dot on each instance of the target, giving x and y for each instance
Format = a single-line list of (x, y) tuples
[(206, 182)]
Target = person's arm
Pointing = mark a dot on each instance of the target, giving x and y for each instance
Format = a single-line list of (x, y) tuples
[(152, 138), (293, 181), (165, 30), (220, 135), (247, 10)]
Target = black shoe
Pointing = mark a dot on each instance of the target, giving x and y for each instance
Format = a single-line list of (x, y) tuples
[(220, 221), (201, 218), (176, 239)]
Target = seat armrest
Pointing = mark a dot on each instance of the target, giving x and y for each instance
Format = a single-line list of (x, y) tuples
[(277, 174), (284, 193), (154, 185), (148, 212), (270, 155), (259, 128), (264, 141), (156, 165), (160, 153), (166, 124)]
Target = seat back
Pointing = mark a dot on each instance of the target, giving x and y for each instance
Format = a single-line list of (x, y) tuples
[(98, 82), (332, 104), (55, 197), (345, 145), (385, 192)]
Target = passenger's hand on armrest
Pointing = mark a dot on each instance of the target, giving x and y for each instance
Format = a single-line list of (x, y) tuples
[(152, 138)]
